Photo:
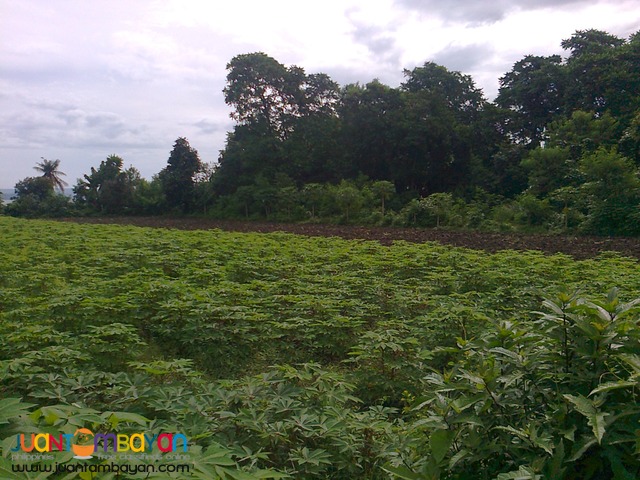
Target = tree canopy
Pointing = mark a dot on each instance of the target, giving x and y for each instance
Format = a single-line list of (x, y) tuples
[(304, 147), (108, 189), (51, 171), (178, 178)]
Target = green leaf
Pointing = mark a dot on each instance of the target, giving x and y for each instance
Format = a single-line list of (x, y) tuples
[(581, 447), (477, 380), (468, 419), (402, 472), (232, 473), (632, 360), (462, 403), (505, 352), (440, 443), (6, 472), (606, 387), (517, 432), (568, 433), (458, 457), (554, 468), (523, 473), (268, 474), (551, 305), (594, 417), (618, 468), (12, 408), (116, 417)]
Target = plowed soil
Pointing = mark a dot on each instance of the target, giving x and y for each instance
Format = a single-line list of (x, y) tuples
[(579, 247)]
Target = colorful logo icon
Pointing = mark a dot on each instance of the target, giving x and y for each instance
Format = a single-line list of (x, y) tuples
[(83, 446)]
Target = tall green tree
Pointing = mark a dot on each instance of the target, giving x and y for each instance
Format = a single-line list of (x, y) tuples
[(451, 115), (286, 123), (50, 170), (629, 143), (458, 90), (383, 190), (250, 151), (549, 169), (37, 187), (370, 116), (318, 94), (590, 42), (109, 189), (433, 149), (583, 132), (261, 90), (612, 190), (348, 198), (314, 152), (604, 73), (533, 93), (178, 178)]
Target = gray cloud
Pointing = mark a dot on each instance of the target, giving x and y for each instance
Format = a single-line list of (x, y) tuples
[(463, 58), (212, 125), (474, 12), (379, 40), (61, 124), (376, 39)]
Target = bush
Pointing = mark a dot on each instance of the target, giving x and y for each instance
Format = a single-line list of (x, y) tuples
[(556, 399), (31, 206), (533, 211), (436, 210), (612, 190)]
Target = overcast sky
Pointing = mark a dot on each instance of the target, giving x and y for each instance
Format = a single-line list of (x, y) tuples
[(80, 79)]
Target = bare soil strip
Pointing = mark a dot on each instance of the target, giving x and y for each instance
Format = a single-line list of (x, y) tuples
[(579, 247)]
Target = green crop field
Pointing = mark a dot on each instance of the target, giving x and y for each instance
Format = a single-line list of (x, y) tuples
[(283, 356)]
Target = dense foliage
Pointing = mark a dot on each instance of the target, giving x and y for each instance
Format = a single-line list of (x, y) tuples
[(281, 355), (558, 150), (533, 159), (109, 189)]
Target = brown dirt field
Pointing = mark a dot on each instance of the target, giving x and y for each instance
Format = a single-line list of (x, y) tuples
[(579, 247)]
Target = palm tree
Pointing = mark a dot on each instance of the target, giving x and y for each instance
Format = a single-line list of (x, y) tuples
[(49, 169)]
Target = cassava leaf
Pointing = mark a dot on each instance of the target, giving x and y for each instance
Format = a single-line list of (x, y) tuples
[(12, 408), (440, 441), (595, 418)]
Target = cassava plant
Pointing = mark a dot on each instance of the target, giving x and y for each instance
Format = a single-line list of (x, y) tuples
[(556, 399)]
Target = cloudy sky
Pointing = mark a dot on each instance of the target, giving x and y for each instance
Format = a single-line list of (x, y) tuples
[(80, 79)]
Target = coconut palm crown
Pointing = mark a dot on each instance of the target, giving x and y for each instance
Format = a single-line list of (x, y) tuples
[(49, 169)]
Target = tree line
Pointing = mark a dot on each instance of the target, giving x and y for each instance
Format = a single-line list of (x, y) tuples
[(558, 149)]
